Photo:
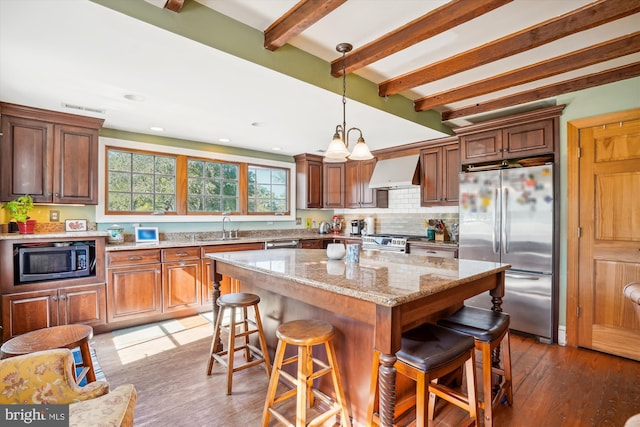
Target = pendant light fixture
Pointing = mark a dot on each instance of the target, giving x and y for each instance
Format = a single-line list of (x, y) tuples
[(338, 149)]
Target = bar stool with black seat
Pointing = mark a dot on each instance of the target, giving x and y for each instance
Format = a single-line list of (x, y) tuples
[(427, 354), (490, 329), (252, 355), (305, 334)]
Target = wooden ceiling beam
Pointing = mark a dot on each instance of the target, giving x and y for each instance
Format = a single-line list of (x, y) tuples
[(584, 18), (601, 52), (591, 80), (439, 20), (300, 17)]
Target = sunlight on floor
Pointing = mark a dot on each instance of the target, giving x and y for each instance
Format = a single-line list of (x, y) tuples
[(138, 342)]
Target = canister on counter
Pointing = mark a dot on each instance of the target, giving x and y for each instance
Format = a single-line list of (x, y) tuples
[(116, 235)]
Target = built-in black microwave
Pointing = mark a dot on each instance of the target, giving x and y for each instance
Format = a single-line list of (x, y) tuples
[(58, 261)]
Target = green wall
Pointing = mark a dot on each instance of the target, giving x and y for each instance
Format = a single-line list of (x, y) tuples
[(619, 96)]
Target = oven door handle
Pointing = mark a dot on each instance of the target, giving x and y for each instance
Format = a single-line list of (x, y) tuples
[(281, 244)]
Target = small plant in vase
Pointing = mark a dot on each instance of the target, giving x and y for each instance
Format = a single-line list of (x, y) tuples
[(19, 211)]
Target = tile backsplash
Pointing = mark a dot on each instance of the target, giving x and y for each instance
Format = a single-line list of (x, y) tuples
[(404, 214)]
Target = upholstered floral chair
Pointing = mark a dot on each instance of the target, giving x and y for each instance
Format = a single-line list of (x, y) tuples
[(46, 377)]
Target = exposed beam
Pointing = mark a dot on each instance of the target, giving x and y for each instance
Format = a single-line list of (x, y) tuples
[(174, 5), (567, 86), (589, 16), (300, 17), (439, 20), (601, 52)]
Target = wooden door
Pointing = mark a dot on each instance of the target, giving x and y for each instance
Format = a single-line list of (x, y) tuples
[(334, 185), (83, 304), (451, 174), (28, 311), (26, 160), (368, 196), (431, 175), (609, 236), (181, 285), (75, 175), (134, 292), (353, 186)]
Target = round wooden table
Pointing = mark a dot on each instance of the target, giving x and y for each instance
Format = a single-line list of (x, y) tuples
[(65, 336)]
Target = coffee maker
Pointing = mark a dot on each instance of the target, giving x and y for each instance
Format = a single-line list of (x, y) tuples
[(356, 227)]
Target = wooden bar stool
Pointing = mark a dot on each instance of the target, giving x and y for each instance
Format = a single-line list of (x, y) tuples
[(427, 353), (489, 329), (305, 334), (252, 355)]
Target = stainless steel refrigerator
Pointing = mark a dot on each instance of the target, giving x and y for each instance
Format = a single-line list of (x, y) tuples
[(507, 215)]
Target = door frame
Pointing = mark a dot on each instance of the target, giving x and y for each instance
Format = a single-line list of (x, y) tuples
[(573, 210)]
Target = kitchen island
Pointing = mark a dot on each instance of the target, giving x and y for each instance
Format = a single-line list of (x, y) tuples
[(370, 303)]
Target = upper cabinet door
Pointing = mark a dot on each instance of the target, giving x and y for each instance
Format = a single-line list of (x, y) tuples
[(27, 153), (75, 165)]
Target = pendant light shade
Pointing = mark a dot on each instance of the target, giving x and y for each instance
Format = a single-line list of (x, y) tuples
[(338, 150)]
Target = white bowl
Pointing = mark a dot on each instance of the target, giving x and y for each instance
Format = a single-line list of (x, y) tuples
[(335, 250)]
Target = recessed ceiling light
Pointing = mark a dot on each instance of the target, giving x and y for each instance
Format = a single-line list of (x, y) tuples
[(134, 97), (276, 148), (157, 129), (224, 140)]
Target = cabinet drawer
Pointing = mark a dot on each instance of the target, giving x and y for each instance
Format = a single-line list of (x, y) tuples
[(121, 258), (433, 251), (180, 254)]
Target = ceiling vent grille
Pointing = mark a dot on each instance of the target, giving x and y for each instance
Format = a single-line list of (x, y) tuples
[(81, 108)]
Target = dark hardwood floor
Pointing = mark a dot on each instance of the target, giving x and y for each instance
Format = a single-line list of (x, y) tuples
[(167, 361)]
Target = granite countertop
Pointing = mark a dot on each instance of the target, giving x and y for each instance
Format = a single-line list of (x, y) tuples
[(206, 239), (383, 278), (53, 235)]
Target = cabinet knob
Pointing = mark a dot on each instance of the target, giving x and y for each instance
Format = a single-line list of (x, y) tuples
[(134, 258), (54, 298), (63, 297), (182, 254), (57, 194)]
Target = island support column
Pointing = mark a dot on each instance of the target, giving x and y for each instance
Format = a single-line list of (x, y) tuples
[(388, 336), (215, 278)]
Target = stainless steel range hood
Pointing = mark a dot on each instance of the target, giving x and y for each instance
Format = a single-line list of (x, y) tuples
[(398, 172)]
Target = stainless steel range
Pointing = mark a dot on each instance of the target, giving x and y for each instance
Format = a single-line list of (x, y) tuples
[(384, 242)]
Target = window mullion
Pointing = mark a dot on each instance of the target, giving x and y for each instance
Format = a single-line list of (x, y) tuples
[(243, 196), (181, 185)]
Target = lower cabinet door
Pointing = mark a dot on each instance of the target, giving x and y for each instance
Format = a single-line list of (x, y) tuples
[(83, 304), (181, 285), (134, 292), (27, 311)]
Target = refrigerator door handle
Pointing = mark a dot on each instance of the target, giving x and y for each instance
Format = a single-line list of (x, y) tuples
[(506, 228), (496, 223), (521, 276)]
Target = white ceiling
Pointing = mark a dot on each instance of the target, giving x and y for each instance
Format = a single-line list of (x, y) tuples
[(55, 52)]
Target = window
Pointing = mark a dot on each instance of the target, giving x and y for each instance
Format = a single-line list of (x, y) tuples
[(213, 186), (140, 182), (268, 190), (188, 182)]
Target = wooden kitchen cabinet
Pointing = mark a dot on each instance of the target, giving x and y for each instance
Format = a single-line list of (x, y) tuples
[(312, 244), (181, 278), (309, 181), (440, 166), (27, 311), (519, 136), (134, 284), (49, 155), (357, 191), (434, 250), (334, 185)]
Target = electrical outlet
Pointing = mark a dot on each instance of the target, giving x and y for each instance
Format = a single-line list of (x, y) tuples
[(54, 216), (298, 221)]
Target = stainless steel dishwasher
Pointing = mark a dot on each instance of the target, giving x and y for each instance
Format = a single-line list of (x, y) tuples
[(279, 244)]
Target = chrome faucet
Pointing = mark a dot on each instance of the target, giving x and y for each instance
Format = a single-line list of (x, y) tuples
[(225, 216)]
